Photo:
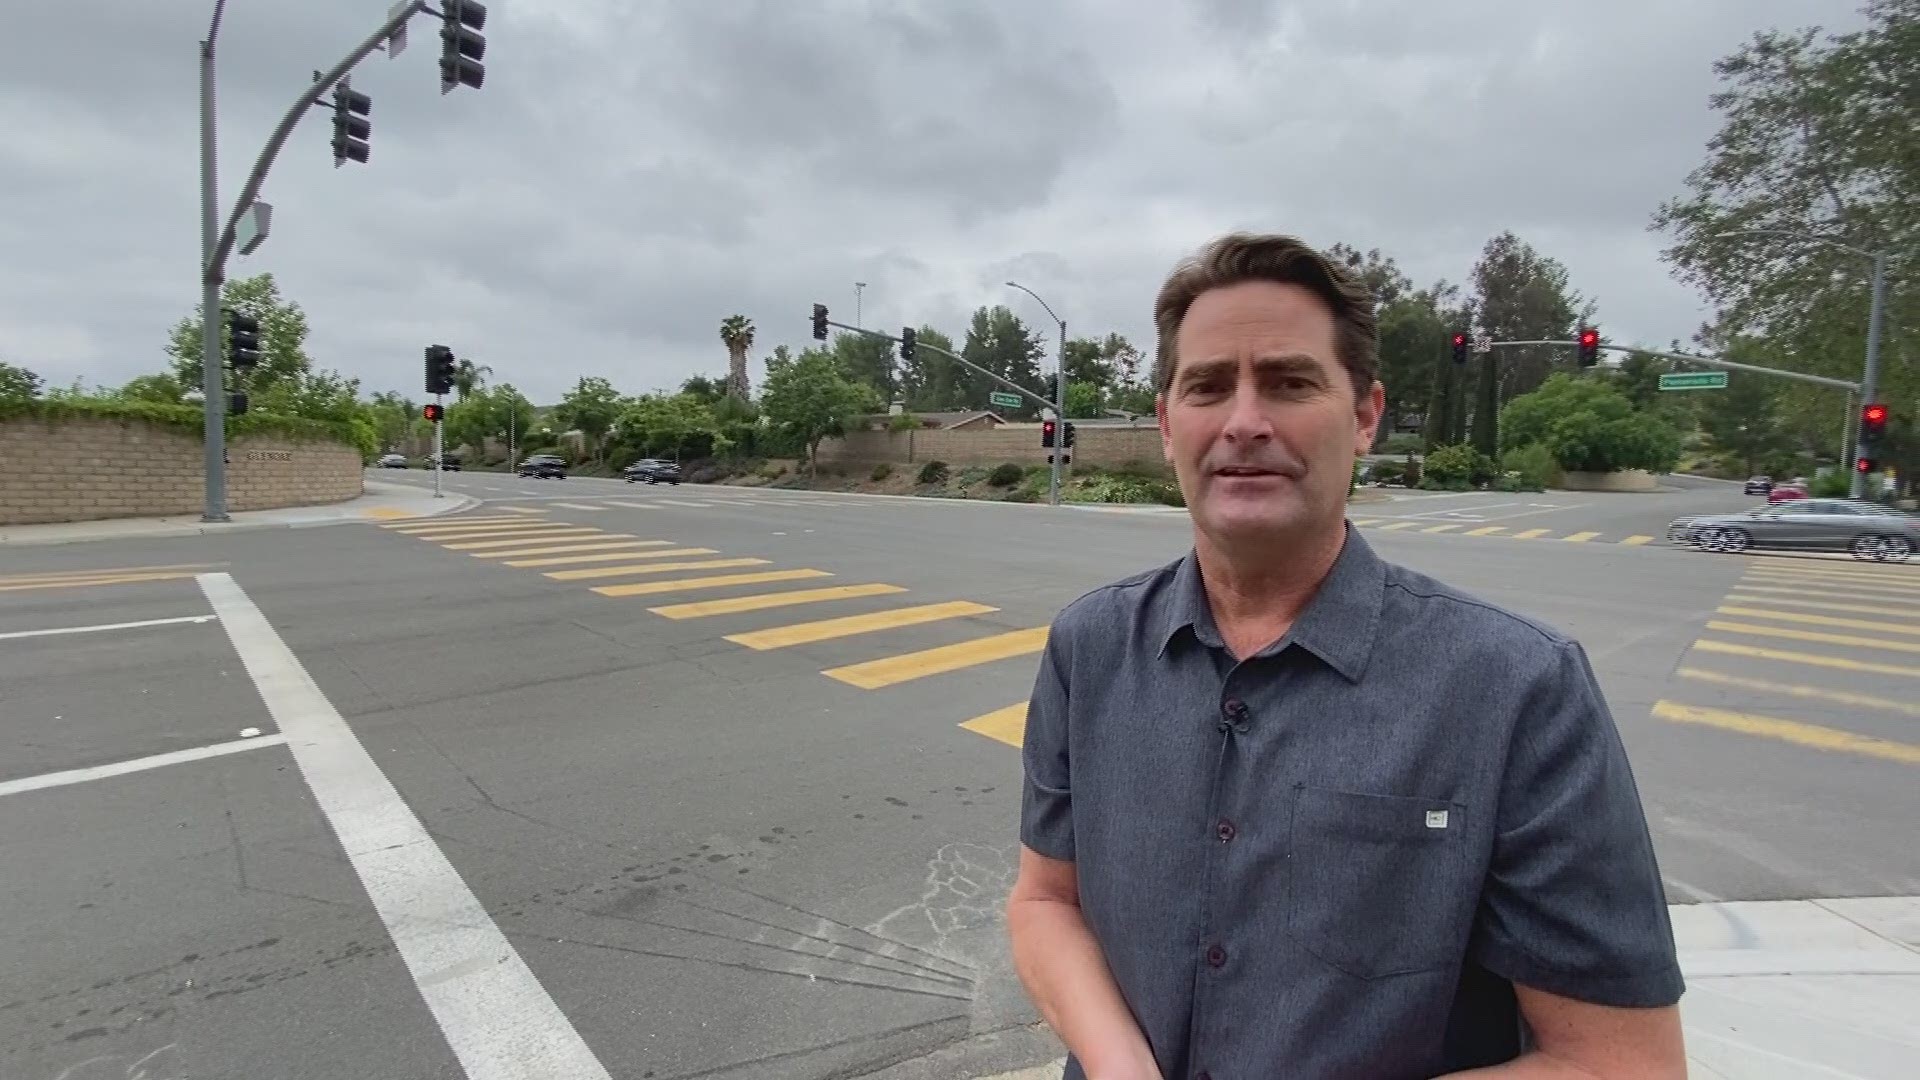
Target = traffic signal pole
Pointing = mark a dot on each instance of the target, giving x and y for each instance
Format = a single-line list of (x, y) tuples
[(1870, 378), (439, 454), (217, 245)]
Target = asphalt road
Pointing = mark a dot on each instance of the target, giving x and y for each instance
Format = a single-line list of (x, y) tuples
[(686, 833)]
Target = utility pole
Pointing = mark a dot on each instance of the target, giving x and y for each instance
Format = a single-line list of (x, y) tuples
[(858, 288), (1058, 457), (212, 376)]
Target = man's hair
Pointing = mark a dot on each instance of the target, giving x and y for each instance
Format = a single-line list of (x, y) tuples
[(1240, 257)]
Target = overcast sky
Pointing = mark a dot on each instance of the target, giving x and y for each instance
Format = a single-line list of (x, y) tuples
[(636, 170)]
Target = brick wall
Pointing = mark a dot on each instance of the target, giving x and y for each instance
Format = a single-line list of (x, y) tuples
[(83, 469), (1107, 447)]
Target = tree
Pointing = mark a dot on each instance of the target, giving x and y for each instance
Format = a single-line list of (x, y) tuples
[(808, 399), (283, 335), (1520, 295), (468, 377), (392, 416), (590, 407), (1087, 366), (704, 387), (17, 384), (867, 360), (931, 382), (1416, 367), (500, 413), (997, 341), (1379, 273), (1589, 427), (160, 387), (669, 425), (1818, 137), (1084, 400), (736, 332)]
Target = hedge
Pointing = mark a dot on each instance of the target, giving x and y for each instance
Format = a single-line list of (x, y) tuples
[(188, 419)]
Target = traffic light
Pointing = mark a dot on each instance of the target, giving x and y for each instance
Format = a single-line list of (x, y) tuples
[(435, 413), (1066, 435), (439, 369), (243, 340), (1873, 421), (906, 344), (237, 404), (351, 128), (1459, 347), (1865, 464), (1046, 434), (820, 322), (1589, 346), (461, 46)]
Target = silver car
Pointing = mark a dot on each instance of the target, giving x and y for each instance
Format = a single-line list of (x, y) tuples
[(1866, 530)]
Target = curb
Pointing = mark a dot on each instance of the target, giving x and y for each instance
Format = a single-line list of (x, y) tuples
[(455, 504)]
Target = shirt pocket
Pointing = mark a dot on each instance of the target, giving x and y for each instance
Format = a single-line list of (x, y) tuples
[(1377, 884)]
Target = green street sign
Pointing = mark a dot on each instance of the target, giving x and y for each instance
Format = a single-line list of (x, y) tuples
[(1003, 400), (1694, 380)]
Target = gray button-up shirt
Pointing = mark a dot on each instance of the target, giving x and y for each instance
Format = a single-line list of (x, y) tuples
[(1335, 858)]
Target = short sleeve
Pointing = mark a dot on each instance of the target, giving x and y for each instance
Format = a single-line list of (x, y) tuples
[(1046, 802), (1573, 903)]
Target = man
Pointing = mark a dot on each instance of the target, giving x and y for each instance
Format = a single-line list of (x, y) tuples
[(1291, 811)]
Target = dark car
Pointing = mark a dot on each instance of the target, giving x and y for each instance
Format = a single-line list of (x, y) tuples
[(1865, 530), (449, 462), (1758, 485), (547, 466), (653, 471)]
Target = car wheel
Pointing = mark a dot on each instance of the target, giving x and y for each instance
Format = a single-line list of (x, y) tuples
[(1881, 548), (1735, 541)]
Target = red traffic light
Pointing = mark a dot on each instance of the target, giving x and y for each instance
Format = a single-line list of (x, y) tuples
[(1875, 414), (433, 412), (1459, 340), (1046, 433), (1589, 338), (1864, 465)]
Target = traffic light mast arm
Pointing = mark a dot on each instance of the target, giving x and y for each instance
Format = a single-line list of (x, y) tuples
[(1710, 361), (919, 344), (215, 270)]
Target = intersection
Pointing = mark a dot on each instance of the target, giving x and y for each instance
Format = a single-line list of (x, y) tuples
[(734, 782)]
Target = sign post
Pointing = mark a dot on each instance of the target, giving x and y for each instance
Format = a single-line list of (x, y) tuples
[(1694, 380)]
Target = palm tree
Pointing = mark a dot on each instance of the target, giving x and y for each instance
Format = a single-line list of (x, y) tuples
[(737, 332), (468, 377)]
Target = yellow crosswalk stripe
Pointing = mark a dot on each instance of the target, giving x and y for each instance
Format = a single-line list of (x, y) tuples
[(1636, 540), (1008, 725), (1788, 656), (887, 671), (1812, 693), (452, 523), (100, 571), (1830, 579), (1793, 731), (1360, 523), (720, 581), (1819, 589), (591, 543), (701, 609), (1439, 528), (608, 556), (1788, 564), (652, 568), (1485, 530), (1813, 636), (1857, 609), (1578, 538), (517, 528), (1820, 620), (1398, 525), (521, 509), (87, 582), (1530, 534), (582, 532), (780, 637)]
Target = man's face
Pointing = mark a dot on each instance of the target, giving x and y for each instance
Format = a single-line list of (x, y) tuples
[(1261, 421)]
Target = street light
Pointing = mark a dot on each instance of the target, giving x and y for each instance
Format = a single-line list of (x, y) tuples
[(1870, 378), (1059, 394)]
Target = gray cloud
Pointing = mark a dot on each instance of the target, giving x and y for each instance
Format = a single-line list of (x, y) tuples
[(633, 173)]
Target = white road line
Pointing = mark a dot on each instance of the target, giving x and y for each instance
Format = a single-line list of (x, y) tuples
[(578, 506), (677, 502), (121, 768), (496, 1016), (98, 627)]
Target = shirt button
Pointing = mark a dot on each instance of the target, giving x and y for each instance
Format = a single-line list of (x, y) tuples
[(1235, 709), (1216, 956), (1225, 830)]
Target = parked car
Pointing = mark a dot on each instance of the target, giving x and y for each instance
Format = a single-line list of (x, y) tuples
[(1758, 485), (1865, 530), (653, 471), (548, 466), (392, 461), (447, 462)]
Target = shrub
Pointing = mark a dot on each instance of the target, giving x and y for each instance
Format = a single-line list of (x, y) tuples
[(1122, 488), (1404, 442), (880, 472), (1831, 485), (903, 422), (1532, 466), (1006, 475), (933, 472), (1451, 465), (1023, 495), (1389, 472)]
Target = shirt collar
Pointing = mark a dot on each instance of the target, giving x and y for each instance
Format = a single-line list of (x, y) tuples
[(1338, 625)]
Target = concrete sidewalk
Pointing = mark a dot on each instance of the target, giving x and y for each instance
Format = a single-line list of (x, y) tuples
[(380, 501), (1787, 990)]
